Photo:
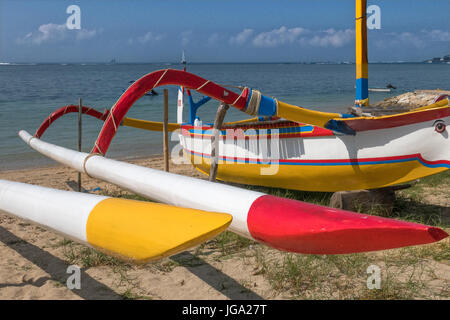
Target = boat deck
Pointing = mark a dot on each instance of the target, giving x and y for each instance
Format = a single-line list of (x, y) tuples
[(404, 102)]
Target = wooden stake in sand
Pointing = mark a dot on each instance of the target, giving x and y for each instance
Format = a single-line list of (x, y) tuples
[(220, 116), (80, 112), (165, 131)]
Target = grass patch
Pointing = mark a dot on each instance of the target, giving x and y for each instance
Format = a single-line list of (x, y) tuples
[(311, 276), (407, 208), (437, 184), (130, 295), (125, 195), (411, 204), (435, 181), (87, 257), (405, 273), (164, 265), (228, 243)]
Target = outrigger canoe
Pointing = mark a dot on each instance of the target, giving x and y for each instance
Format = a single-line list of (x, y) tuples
[(289, 146), (308, 150), (281, 223), (297, 148)]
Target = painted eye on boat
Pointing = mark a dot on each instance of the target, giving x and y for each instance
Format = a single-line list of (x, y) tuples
[(440, 127)]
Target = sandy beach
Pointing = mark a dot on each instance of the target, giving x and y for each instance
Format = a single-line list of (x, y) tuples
[(34, 261)]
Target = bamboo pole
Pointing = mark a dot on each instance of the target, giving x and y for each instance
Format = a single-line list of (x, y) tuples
[(166, 131), (80, 112), (220, 116)]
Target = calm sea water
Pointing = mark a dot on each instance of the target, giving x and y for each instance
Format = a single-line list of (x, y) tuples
[(29, 93)]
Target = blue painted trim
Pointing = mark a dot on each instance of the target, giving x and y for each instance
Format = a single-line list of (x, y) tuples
[(193, 107), (267, 106), (339, 126), (306, 163), (281, 130), (362, 89)]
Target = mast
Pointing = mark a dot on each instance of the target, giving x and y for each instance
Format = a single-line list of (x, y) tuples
[(362, 85), (180, 99), (183, 59)]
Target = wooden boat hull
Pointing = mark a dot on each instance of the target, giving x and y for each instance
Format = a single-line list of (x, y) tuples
[(335, 152), (304, 157)]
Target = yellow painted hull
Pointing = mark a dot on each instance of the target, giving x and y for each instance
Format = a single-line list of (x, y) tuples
[(319, 178), (141, 231)]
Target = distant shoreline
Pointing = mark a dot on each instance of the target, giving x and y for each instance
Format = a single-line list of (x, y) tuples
[(208, 63), (55, 164)]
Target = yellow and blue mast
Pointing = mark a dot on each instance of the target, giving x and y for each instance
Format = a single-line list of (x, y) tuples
[(362, 83)]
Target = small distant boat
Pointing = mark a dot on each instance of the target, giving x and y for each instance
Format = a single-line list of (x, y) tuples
[(150, 93), (180, 99), (380, 90), (389, 88), (183, 59)]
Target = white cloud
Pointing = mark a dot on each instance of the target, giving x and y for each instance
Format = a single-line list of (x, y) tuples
[(51, 32), (331, 38), (150, 37), (438, 35), (241, 37), (84, 34), (212, 39), (410, 38), (186, 37), (297, 35), (278, 37), (417, 40), (46, 32)]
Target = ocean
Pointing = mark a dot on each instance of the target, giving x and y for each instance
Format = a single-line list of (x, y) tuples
[(29, 93)]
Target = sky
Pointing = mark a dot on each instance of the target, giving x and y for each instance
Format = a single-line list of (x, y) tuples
[(218, 30)]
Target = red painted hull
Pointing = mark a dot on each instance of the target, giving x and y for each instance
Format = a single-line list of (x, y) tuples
[(301, 227), (364, 124)]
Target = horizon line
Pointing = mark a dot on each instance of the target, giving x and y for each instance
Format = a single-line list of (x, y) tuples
[(206, 62)]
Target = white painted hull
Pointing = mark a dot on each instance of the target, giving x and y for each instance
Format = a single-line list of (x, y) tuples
[(369, 159)]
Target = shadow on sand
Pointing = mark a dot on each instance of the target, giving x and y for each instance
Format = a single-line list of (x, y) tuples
[(56, 268), (94, 290), (214, 277)]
